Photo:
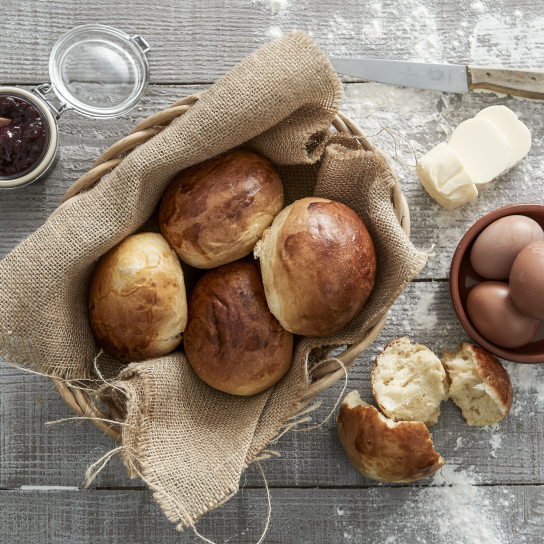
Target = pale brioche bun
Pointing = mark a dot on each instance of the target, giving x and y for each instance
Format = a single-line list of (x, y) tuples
[(409, 382), (318, 264), (214, 212), (382, 449), (480, 385), (137, 300), (232, 340)]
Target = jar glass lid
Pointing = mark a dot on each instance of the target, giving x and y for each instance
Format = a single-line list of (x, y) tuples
[(99, 71)]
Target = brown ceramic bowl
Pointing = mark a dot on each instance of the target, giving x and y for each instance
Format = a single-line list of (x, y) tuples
[(463, 279)]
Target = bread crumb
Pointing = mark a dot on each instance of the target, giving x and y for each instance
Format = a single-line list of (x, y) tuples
[(409, 382)]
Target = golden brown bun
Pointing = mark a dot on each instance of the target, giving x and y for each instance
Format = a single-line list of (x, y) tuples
[(384, 450), (480, 385), (214, 212), (318, 264), (232, 340), (137, 300)]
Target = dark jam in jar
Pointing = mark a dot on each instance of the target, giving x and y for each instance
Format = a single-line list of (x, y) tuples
[(23, 136)]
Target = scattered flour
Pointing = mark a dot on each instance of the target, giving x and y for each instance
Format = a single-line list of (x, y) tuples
[(505, 42), (527, 379), (517, 407), (477, 7), (399, 108), (276, 5), (373, 32), (459, 443), (423, 315), (452, 510), (495, 442), (460, 509), (274, 32), (423, 31)]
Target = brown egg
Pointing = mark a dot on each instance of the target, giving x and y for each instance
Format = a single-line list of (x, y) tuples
[(498, 245), (496, 318), (527, 281)]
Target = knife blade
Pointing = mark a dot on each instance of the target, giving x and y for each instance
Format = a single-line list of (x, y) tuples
[(453, 78)]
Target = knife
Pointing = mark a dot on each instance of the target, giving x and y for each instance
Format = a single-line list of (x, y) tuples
[(452, 78)]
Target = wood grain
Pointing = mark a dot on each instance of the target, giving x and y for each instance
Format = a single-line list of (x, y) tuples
[(32, 454), (528, 84), (83, 140), (301, 516), (194, 43), (198, 41)]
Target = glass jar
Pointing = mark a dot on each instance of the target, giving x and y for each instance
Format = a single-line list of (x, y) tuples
[(98, 71)]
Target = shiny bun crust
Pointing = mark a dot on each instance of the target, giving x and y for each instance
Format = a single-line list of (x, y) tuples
[(382, 449), (215, 212), (137, 300), (318, 264), (232, 340)]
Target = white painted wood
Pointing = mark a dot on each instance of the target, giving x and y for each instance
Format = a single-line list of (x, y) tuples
[(32, 454), (198, 41), (83, 140), (194, 43), (301, 516)]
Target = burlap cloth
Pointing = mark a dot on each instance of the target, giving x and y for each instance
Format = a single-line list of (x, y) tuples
[(190, 442)]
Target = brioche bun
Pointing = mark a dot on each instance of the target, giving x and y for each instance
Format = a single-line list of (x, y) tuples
[(480, 385), (382, 449), (232, 340), (409, 382), (137, 300), (214, 212), (318, 264)]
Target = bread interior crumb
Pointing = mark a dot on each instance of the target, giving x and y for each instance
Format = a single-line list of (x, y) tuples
[(477, 400), (409, 382)]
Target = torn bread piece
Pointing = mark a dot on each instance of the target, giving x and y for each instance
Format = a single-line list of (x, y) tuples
[(409, 382), (480, 385), (383, 449)]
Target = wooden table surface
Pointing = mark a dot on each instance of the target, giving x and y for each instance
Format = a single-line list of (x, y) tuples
[(317, 496)]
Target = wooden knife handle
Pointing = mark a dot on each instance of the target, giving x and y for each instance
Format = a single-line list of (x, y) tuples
[(526, 83)]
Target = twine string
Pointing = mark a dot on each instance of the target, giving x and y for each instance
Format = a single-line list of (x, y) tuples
[(335, 404), (92, 472), (89, 419), (392, 133)]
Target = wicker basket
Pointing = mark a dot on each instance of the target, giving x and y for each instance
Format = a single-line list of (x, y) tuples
[(324, 376)]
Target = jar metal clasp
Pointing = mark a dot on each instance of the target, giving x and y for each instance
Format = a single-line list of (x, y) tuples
[(44, 89)]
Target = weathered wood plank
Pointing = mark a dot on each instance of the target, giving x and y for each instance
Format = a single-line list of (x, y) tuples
[(419, 115), (200, 40), (425, 119), (449, 515), (31, 454)]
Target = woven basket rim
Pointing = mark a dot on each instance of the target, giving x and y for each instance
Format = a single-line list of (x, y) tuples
[(325, 376)]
